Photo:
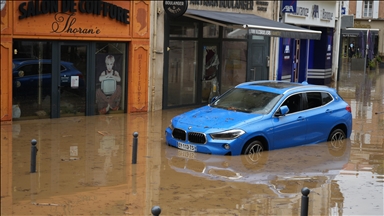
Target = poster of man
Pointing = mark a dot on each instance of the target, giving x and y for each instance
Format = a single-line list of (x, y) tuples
[(108, 82)]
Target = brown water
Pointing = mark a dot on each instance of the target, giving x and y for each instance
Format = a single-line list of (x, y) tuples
[(84, 167)]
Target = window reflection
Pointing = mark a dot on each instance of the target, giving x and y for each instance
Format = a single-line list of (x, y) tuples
[(181, 72), (234, 64), (235, 33), (31, 79), (187, 29), (210, 30)]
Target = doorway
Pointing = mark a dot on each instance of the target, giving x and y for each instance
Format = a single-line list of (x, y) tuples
[(258, 61), (71, 84)]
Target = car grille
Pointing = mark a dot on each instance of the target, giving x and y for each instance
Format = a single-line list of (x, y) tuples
[(192, 136), (196, 137), (179, 134)]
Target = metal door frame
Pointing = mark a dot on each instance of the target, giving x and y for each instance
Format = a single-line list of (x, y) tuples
[(266, 46), (55, 81)]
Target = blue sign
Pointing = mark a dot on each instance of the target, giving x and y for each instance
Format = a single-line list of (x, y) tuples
[(289, 6), (343, 11)]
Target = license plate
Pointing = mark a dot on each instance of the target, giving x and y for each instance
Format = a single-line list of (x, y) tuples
[(187, 147), (186, 154), (64, 79)]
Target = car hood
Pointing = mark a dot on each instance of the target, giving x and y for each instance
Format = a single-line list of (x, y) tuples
[(211, 117)]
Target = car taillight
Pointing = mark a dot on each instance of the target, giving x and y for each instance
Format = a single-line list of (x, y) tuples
[(348, 108)]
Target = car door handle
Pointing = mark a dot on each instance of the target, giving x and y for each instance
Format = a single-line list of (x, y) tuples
[(328, 111), (300, 118)]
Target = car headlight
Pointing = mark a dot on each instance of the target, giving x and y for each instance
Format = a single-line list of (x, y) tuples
[(228, 135), (171, 126)]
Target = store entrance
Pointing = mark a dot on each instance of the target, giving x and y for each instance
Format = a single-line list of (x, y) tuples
[(258, 60), (69, 82)]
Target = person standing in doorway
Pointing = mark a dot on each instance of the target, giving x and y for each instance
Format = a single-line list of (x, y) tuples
[(109, 94), (352, 48)]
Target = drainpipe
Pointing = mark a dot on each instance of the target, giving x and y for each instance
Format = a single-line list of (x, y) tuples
[(154, 51), (276, 41), (337, 47)]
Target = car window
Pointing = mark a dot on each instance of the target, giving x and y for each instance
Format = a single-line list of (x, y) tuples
[(247, 100), (62, 68), (294, 103), (315, 99), (326, 97), (33, 69)]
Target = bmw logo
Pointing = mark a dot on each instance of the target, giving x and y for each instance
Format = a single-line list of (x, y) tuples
[(189, 128)]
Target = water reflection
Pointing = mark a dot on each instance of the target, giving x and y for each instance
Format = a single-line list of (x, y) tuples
[(281, 174)]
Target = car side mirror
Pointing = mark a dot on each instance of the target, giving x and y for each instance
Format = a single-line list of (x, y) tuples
[(282, 111)]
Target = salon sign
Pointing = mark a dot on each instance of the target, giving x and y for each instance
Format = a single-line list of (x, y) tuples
[(69, 15)]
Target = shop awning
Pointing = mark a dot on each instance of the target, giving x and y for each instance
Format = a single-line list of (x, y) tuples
[(254, 24), (354, 32)]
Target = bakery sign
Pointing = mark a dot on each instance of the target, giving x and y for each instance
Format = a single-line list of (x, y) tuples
[(65, 15), (175, 8)]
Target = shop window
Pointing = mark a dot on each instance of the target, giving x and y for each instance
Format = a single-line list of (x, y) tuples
[(31, 74), (234, 58), (368, 8), (235, 33), (183, 29), (210, 30), (182, 71), (110, 74)]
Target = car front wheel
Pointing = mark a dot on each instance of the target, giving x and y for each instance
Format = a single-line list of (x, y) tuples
[(254, 155), (253, 150)]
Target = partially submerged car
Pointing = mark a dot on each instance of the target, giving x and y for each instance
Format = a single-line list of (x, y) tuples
[(262, 115)]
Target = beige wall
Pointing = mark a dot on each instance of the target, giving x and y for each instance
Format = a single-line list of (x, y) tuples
[(381, 9), (258, 8), (352, 7)]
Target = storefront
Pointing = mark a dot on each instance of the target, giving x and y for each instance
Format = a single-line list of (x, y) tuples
[(308, 60), (73, 57), (354, 44), (214, 46)]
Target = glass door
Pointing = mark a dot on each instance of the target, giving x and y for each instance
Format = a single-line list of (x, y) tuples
[(71, 80), (182, 71)]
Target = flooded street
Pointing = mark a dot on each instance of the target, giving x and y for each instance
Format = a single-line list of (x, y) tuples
[(84, 167)]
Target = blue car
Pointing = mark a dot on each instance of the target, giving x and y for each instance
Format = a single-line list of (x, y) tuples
[(260, 116), (26, 74)]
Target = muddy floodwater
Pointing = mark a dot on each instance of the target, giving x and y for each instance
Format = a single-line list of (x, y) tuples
[(85, 166)]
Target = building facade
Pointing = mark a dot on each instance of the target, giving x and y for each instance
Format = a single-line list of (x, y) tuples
[(310, 60), (368, 15), (161, 61), (73, 57), (214, 46)]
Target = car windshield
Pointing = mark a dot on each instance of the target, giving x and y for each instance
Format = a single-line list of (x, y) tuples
[(247, 100)]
